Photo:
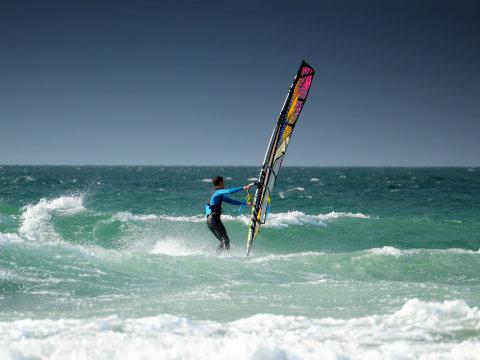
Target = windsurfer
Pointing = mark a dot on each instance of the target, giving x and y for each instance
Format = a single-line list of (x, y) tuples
[(213, 210)]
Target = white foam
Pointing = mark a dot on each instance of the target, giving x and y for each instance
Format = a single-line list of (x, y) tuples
[(336, 215), (314, 179), (174, 247), (252, 179), (420, 330), (393, 251), (126, 216), (7, 274), (281, 257), (298, 218), (386, 250), (453, 221), (298, 188), (205, 180), (194, 218), (9, 238), (293, 218), (456, 251), (274, 219), (35, 218)]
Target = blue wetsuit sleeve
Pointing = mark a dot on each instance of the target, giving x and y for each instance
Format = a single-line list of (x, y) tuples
[(228, 191), (234, 190), (233, 201)]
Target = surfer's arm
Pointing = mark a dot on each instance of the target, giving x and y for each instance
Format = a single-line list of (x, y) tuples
[(234, 190), (228, 191), (233, 201)]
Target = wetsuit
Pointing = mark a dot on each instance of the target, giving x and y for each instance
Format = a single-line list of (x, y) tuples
[(214, 210)]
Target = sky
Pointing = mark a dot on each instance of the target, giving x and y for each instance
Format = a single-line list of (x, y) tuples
[(202, 82)]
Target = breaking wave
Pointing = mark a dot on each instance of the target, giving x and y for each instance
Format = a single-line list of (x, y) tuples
[(126, 216), (300, 218), (393, 251), (35, 218), (418, 329), (274, 219)]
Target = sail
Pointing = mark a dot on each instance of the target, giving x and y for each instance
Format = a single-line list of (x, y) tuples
[(277, 147)]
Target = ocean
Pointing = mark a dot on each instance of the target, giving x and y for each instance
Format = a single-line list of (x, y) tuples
[(100, 262)]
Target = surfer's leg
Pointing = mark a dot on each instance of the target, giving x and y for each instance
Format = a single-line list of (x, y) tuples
[(224, 240), (212, 223), (216, 227)]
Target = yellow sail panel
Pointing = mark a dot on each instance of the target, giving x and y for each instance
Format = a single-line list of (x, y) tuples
[(291, 112)]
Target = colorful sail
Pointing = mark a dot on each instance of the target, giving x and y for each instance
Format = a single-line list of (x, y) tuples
[(277, 147)]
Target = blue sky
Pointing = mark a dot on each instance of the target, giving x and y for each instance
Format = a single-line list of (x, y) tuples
[(202, 83)]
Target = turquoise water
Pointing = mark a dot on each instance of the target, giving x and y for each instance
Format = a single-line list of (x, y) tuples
[(353, 263)]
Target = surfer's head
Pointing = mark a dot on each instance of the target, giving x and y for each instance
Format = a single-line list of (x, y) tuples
[(218, 182)]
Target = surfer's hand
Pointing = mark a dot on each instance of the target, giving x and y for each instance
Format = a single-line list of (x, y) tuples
[(249, 204), (246, 187)]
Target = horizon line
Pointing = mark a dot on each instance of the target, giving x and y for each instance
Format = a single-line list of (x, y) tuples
[(284, 166)]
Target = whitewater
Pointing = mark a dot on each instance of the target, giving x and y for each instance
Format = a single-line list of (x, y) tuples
[(354, 263)]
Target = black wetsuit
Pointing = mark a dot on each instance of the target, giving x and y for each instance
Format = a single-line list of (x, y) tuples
[(214, 212), (216, 226)]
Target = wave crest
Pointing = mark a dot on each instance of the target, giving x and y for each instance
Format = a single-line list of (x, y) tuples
[(274, 219), (300, 218), (127, 216), (35, 218), (393, 251)]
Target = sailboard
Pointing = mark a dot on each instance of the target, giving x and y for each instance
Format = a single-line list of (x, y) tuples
[(277, 147)]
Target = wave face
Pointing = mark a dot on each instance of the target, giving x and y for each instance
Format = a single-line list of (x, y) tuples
[(352, 263)]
